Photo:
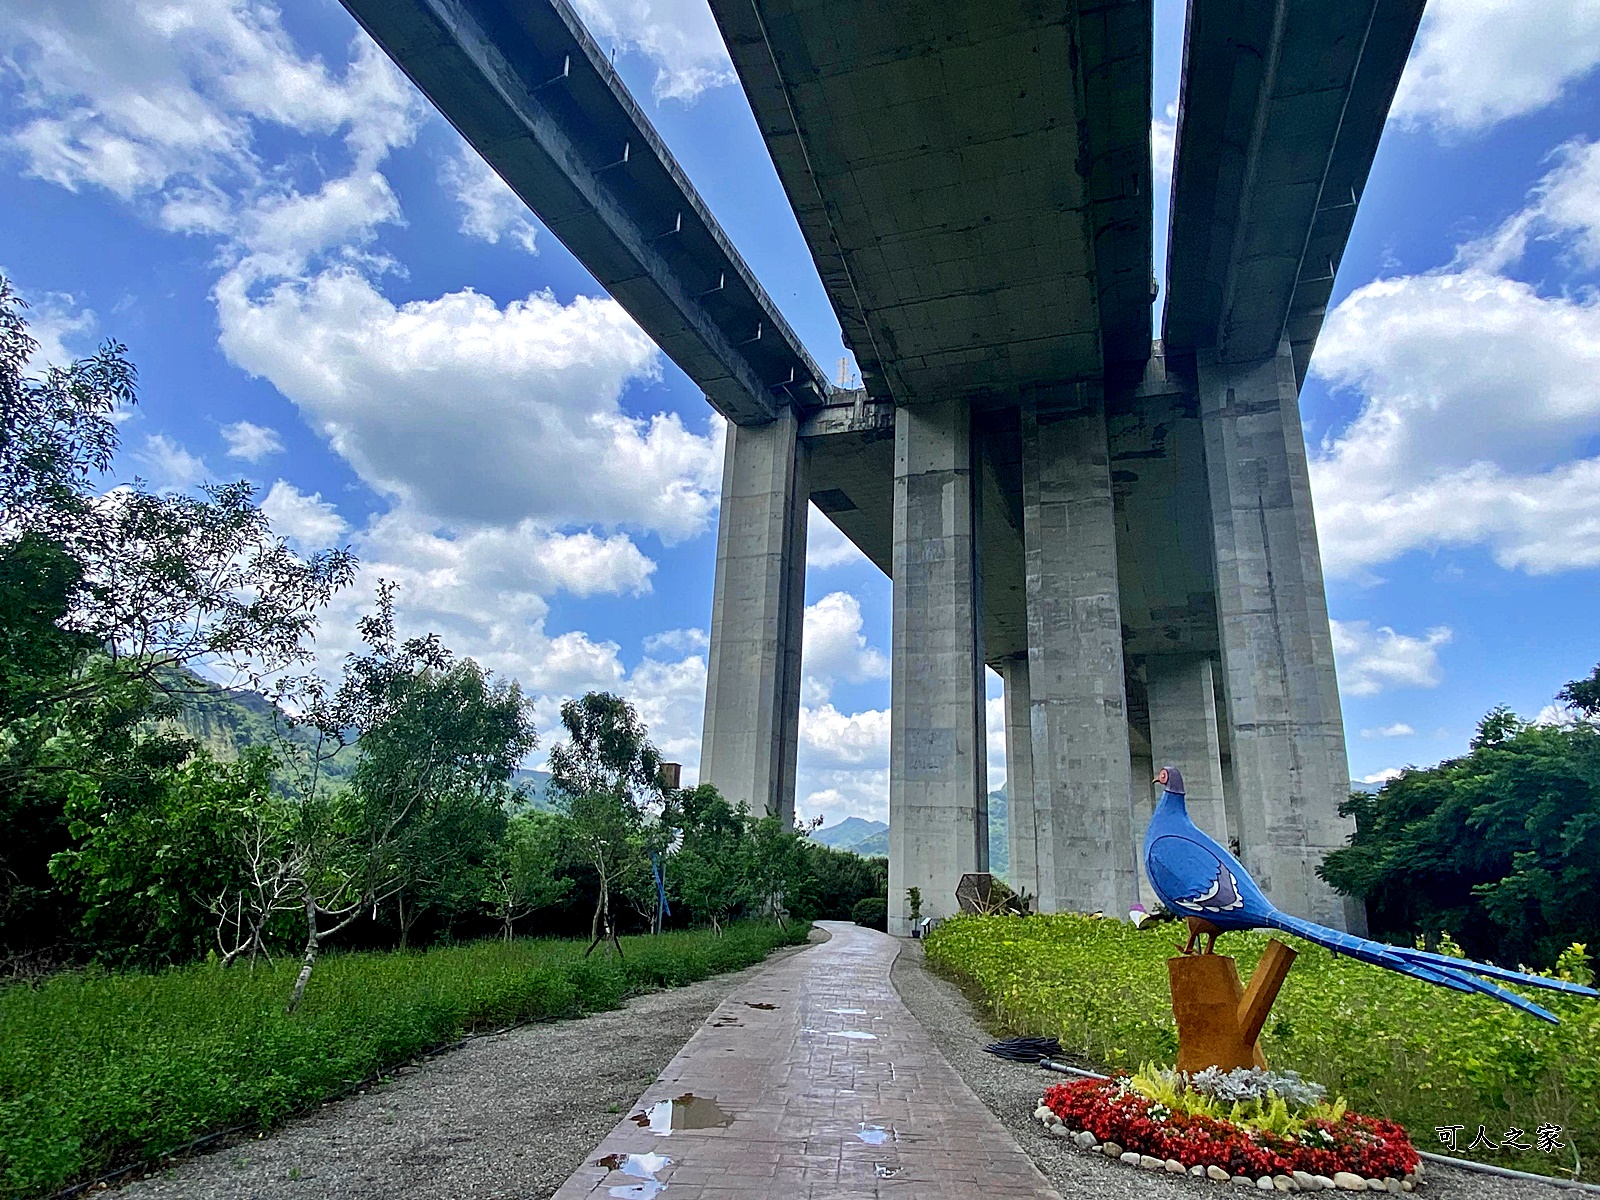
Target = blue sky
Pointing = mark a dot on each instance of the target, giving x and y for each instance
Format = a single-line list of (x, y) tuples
[(327, 294)]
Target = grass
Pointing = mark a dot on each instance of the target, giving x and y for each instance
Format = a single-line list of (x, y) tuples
[(100, 1069), (1391, 1046)]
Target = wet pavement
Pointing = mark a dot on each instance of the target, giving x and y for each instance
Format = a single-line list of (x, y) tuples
[(811, 1081)]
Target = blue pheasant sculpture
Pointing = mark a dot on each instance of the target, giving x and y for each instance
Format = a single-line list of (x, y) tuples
[(1200, 881)]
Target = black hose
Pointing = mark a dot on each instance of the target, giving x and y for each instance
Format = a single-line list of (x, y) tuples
[(1024, 1049)]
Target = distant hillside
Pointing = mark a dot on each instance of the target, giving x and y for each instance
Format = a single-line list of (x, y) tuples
[(863, 837), (871, 838)]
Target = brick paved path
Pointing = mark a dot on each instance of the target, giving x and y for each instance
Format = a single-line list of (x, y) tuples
[(834, 1091)]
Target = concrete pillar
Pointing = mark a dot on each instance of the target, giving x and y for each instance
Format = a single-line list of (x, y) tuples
[(1023, 830), (1075, 670), (938, 765), (752, 717), (1183, 734), (1286, 732), (1143, 799)]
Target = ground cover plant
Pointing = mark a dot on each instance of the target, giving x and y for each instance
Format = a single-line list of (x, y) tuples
[(101, 1068), (1389, 1046)]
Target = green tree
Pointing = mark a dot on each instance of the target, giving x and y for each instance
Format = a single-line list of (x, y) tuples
[(1499, 848), (438, 742), (777, 867), (155, 862), (710, 871), (604, 779), (524, 874)]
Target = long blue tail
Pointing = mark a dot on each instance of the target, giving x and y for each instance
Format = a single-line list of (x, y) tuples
[(1459, 974)]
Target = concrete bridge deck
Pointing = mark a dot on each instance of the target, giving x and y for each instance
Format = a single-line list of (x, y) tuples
[(814, 1080)]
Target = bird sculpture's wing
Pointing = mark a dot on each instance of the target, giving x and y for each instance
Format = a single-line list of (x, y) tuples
[(1192, 876)]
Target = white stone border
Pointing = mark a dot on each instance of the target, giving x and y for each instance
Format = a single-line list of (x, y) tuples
[(1298, 1181)]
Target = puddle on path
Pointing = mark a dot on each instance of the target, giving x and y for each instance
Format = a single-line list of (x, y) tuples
[(849, 1012), (687, 1111), (876, 1135), (767, 1007), (639, 1166), (854, 1034), (885, 1171)]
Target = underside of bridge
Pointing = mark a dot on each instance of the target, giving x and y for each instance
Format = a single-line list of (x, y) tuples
[(1121, 528)]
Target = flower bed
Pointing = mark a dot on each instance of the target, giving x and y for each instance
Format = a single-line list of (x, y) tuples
[(1115, 1112)]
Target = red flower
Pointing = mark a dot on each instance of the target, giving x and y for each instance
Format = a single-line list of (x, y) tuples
[(1366, 1146)]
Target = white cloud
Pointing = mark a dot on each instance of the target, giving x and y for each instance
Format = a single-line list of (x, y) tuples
[(490, 210), (1557, 715), (677, 641), (1479, 397), (168, 465), (62, 329), (679, 36), (309, 521), (1398, 729), (1371, 660), (141, 98), (1163, 142), (1564, 205), (831, 738), (475, 413), (826, 546), (251, 442), (1478, 62), (1383, 776), (835, 649)]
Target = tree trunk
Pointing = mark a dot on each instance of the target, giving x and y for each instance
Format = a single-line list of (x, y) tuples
[(595, 928), (310, 959)]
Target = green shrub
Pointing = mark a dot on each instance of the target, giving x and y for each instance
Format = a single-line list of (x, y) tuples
[(99, 1069), (1391, 1046), (873, 912)]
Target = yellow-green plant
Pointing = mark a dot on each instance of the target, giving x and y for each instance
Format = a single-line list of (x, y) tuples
[(1271, 1113)]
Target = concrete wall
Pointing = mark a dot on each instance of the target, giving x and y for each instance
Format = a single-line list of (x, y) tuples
[(938, 806), (752, 717), (1286, 732)]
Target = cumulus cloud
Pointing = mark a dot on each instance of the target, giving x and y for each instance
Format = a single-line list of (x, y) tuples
[(309, 521), (251, 442), (1478, 405), (1398, 729), (1372, 660), (835, 649), (1383, 776), (679, 36), (1478, 62), (476, 413), (490, 210)]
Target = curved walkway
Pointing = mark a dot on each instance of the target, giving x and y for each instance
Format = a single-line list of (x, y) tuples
[(812, 1080)]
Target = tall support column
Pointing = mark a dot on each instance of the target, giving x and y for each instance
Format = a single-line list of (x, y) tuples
[(938, 793), (1075, 670), (1023, 828), (752, 718), (1183, 734), (1286, 732)]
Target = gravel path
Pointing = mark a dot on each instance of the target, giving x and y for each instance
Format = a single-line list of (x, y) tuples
[(511, 1115), (1012, 1090)]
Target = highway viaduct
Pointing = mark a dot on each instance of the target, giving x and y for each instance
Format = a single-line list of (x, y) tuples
[(1120, 526)]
